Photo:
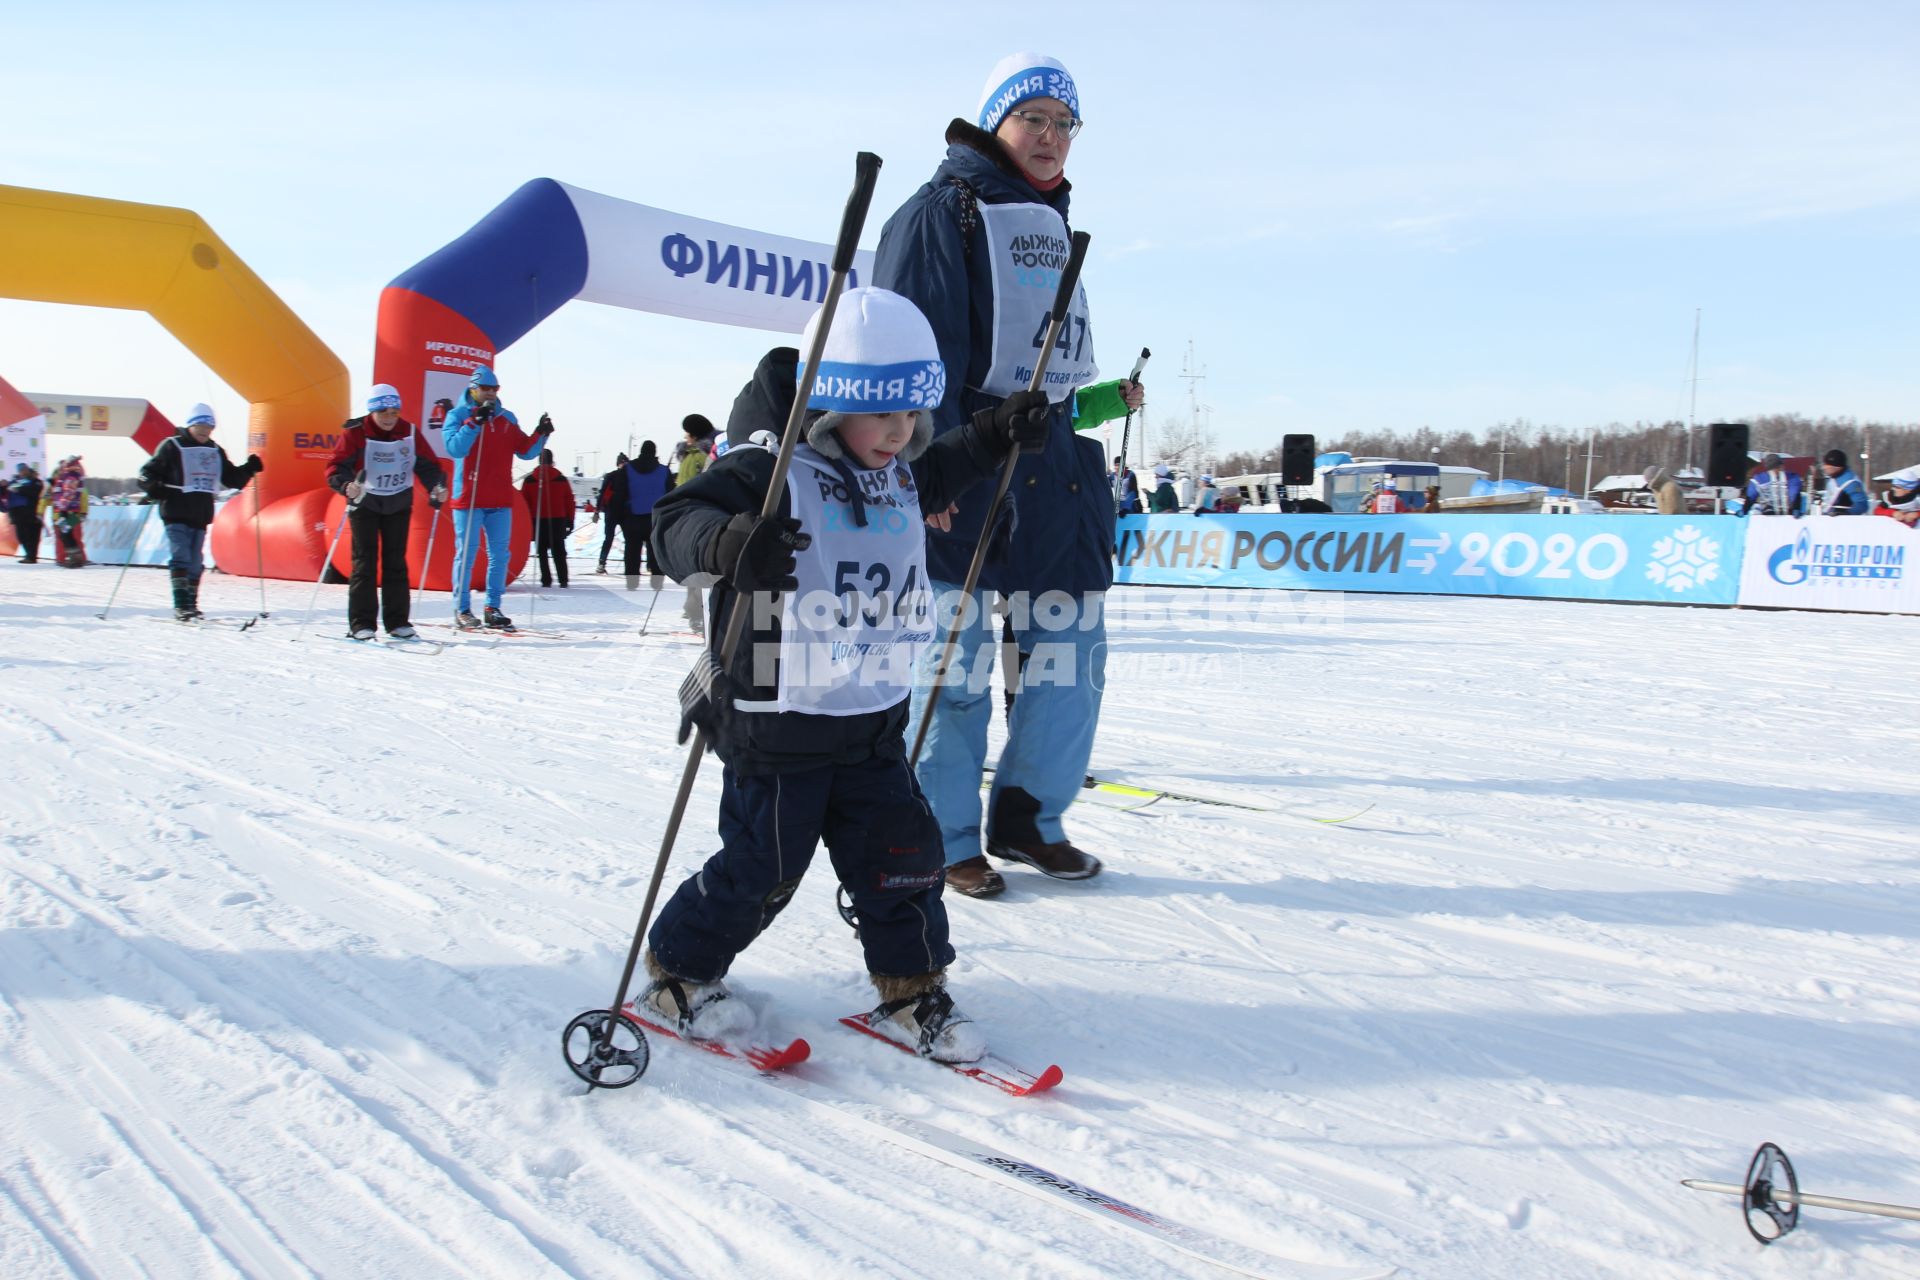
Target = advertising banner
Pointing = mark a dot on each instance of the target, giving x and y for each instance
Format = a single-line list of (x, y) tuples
[(23, 432), (1858, 563), (115, 417), (110, 533), (1666, 559)]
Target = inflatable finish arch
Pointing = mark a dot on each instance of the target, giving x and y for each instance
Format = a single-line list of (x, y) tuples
[(547, 244), (167, 262)]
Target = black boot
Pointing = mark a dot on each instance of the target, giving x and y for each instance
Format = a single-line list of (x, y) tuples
[(183, 610), (193, 599)]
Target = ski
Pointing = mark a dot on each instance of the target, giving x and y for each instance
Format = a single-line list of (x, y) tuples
[(977, 1158), (493, 631), (1145, 796), (210, 624), (763, 1057), (993, 1070), (425, 648)]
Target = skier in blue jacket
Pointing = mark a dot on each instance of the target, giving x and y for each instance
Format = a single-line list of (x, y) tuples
[(483, 494), (1845, 495), (1772, 490), (979, 250)]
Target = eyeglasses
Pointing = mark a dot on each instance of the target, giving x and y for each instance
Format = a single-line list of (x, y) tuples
[(1036, 123)]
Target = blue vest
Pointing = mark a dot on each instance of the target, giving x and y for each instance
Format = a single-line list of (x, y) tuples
[(1848, 496), (644, 488)]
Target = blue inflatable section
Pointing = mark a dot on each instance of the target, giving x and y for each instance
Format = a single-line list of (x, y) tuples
[(517, 266)]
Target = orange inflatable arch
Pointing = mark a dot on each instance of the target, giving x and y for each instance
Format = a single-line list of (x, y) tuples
[(167, 262)]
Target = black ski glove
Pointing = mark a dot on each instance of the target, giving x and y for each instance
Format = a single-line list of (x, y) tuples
[(755, 553), (1019, 421), (546, 426), (254, 464)]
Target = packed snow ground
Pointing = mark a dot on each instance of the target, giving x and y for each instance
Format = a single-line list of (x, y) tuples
[(291, 927)]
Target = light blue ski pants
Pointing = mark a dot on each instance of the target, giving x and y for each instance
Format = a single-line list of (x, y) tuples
[(495, 525), (1050, 737)]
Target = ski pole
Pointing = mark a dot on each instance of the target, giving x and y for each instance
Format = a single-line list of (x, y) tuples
[(656, 600), (463, 547), (540, 547), (122, 577), (1772, 1191), (1126, 429), (326, 564), (259, 555), (602, 1056), (426, 562), (1062, 299)]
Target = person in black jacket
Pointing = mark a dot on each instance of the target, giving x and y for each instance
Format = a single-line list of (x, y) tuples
[(182, 476), (809, 717), (374, 465), (23, 510), (605, 513)]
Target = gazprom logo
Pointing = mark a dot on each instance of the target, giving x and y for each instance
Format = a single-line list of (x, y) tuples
[(1806, 558)]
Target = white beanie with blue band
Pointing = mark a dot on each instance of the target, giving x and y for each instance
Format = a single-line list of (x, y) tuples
[(1021, 77), (880, 357), (381, 397), (201, 413)]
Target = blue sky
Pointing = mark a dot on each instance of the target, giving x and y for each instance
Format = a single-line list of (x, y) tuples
[(1362, 215)]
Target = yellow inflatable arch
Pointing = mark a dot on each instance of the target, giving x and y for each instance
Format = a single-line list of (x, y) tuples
[(167, 262)]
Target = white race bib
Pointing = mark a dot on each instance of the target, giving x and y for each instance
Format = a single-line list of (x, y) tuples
[(389, 465), (200, 469), (1027, 245), (849, 636)]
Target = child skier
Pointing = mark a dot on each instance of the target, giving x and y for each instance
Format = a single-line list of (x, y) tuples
[(810, 716), (182, 476)]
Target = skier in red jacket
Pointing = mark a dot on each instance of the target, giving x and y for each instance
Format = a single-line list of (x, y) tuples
[(549, 496)]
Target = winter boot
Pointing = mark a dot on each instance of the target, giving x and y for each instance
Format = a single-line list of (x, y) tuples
[(975, 878), (183, 606), (1058, 859), (465, 620), (363, 634), (602, 567), (497, 620), (700, 1010), (404, 631), (918, 1012)]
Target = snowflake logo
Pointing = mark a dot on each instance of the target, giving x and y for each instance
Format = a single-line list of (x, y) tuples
[(1060, 85), (929, 386), (1684, 560)]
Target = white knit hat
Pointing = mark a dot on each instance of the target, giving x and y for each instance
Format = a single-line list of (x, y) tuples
[(880, 357), (201, 413), (381, 397), (1021, 77)]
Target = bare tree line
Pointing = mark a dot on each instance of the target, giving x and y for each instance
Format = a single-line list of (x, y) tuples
[(1558, 456)]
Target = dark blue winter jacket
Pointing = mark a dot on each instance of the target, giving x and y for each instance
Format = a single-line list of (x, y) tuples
[(23, 494), (1062, 537)]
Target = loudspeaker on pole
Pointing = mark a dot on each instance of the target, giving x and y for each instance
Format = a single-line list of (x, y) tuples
[(1727, 461), (1297, 453)]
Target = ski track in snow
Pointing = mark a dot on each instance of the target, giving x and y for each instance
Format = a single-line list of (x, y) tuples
[(291, 928)]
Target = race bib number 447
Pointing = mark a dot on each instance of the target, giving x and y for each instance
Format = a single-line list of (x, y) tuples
[(1028, 247)]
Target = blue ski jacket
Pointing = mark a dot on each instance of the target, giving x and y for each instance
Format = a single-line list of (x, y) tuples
[(934, 252)]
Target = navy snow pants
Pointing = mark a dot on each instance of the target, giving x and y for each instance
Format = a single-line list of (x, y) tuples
[(885, 847)]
